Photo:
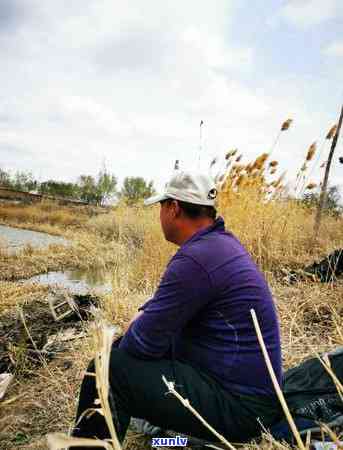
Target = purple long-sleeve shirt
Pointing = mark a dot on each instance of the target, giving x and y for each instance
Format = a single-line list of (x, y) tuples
[(201, 313)]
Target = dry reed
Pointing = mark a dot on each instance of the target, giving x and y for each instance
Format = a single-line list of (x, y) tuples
[(285, 126), (276, 230), (332, 132), (311, 151)]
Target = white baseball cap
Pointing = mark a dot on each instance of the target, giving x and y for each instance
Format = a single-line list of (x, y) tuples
[(191, 187)]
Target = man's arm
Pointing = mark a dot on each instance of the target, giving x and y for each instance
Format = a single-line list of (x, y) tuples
[(138, 314), (185, 289)]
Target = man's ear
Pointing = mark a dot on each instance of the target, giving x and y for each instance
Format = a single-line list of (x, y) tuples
[(176, 209)]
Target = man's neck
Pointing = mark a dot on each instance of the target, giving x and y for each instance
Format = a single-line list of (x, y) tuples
[(191, 228)]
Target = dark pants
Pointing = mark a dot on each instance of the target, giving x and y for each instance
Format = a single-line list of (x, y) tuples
[(137, 390)]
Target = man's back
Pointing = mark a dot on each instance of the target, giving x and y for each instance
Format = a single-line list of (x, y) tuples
[(221, 337), (201, 314)]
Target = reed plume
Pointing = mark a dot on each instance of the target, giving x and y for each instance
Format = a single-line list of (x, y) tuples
[(331, 132), (213, 162), (286, 124), (231, 153), (311, 151), (259, 162), (240, 180), (273, 163)]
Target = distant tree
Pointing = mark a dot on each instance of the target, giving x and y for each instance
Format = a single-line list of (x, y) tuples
[(333, 201), (87, 186), (24, 181), (97, 190), (136, 188), (59, 189), (5, 179), (106, 186)]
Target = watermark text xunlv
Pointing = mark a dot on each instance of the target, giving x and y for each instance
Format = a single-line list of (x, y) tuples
[(177, 441)]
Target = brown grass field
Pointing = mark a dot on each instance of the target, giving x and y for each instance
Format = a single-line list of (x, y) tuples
[(128, 244)]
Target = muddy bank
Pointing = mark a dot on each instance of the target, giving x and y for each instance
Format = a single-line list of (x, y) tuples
[(30, 337)]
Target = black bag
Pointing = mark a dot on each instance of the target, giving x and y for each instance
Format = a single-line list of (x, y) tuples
[(312, 396), (328, 268)]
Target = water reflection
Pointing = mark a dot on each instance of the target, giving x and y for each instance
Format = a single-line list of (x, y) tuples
[(78, 282), (14, 239)]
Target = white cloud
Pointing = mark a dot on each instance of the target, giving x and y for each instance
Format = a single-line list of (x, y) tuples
[(335, 49), (306, 13), (130, 82), (110, 80)]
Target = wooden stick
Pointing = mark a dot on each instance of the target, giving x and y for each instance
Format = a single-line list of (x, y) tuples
[(323, 194), (332, 435), (275, 382), (327, 366), (186, 404)]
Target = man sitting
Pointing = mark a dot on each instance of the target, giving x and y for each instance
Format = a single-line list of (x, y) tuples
[(197, 331)]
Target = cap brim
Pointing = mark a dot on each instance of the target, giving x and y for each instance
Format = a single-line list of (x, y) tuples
[(155, 199)]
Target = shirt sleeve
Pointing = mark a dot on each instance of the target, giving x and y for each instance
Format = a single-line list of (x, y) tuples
[(145, 305), (184, 290)]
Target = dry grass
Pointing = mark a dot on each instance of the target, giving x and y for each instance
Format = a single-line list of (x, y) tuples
[(311, 319), (15, 294), (311, 316), (46, 402), (128, 244), (278, 233), (85, 251), (47, 216), (41, 217)]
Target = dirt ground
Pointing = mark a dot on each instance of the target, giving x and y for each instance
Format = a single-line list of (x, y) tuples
[(44, 392), (48, 370)]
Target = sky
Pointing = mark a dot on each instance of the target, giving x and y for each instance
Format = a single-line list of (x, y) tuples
[(126, 84)]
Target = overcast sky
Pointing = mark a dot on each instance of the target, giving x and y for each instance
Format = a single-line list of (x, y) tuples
[(128, 82)]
